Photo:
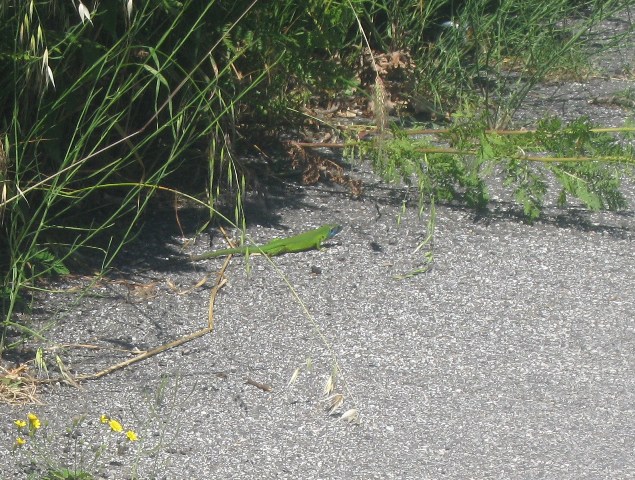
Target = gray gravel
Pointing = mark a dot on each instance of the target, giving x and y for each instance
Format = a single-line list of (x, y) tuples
[(512, 358)]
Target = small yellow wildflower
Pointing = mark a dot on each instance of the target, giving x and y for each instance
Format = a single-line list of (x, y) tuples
[(103, 419), (34, 421), (115, 426), (20, 441), (132, 436), (20, 423)]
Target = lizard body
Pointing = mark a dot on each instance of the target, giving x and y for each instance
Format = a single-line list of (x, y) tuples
[(297, 243)]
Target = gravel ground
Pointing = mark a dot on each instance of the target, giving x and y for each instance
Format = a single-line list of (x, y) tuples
[(512, 358)]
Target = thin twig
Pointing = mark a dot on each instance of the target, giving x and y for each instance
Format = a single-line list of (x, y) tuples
[(220, 282)]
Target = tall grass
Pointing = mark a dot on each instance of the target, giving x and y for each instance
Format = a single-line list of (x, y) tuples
[(99, 111), (496, 52)]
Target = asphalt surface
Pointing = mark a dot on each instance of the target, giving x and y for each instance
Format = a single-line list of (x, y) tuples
[(512, 358)]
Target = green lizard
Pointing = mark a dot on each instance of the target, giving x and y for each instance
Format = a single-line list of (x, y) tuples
[(297, 243)]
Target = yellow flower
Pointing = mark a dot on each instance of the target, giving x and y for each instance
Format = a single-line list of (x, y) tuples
[(20, 423), (20, 441), (115, 426), (132, 436), (34, 421), (103, 419)]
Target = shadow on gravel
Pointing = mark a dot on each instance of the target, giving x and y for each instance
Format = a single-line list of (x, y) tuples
[(165, 237), (573, 218), (569, 218)]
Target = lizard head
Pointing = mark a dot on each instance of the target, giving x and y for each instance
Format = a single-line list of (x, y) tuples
[(333, 230)]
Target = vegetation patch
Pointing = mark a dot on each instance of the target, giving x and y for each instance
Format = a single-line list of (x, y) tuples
[(111, 108)]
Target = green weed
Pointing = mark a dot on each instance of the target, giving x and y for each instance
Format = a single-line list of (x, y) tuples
[(40, 449)]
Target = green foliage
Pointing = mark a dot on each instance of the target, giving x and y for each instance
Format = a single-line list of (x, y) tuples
[(304, 44), (66, 474), (49, 262), (587, 164), (437, 175), (528, 184), (595, 183)]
